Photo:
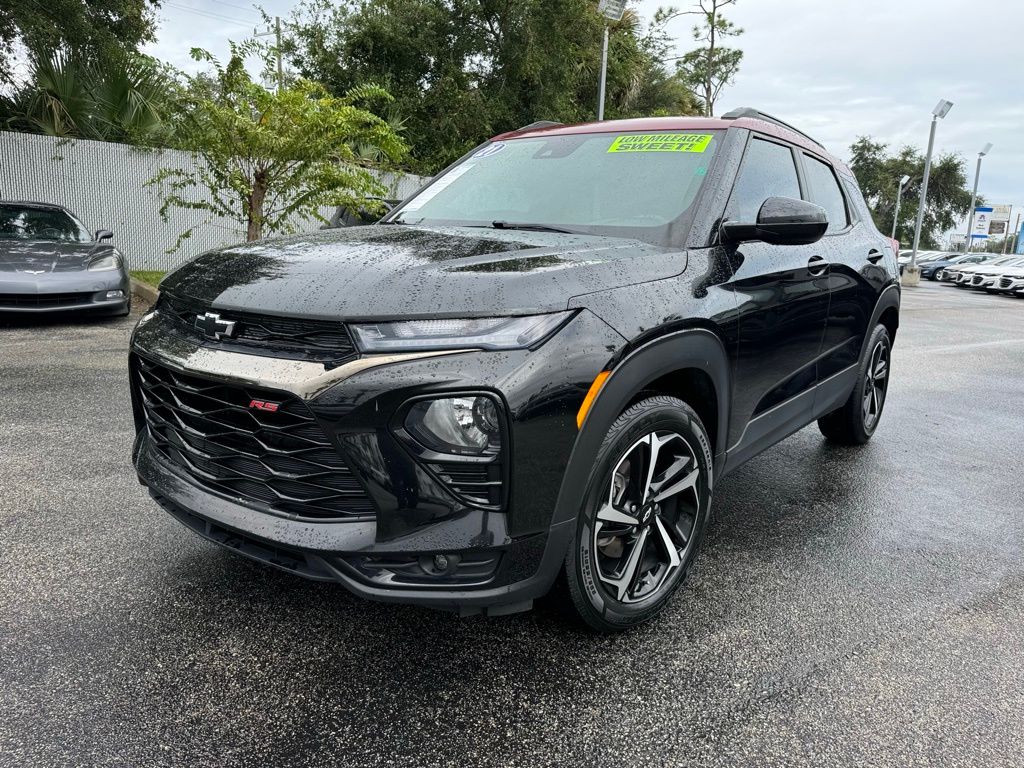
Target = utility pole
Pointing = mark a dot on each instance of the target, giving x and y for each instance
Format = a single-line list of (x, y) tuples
[(899, 196), (280, 68), (974, 199), (612, 10), (276, 32), (604, 75), (912, 275)]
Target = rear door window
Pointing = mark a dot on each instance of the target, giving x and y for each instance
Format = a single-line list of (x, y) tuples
[(823, 189)]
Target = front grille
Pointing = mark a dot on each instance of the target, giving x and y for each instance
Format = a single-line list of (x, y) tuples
[(977, 280), (280, 462), (294, 338), (43, 300)]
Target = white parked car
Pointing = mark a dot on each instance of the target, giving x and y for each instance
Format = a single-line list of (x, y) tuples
[(1011, 281), (984, 276)]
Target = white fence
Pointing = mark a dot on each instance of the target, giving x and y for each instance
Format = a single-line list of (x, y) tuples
[(104, 184)]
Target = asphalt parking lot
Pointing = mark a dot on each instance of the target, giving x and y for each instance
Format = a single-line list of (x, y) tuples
[(851, 606)]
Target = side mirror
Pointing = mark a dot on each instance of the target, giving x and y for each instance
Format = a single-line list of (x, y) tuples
[(781, 221), (103, 234)]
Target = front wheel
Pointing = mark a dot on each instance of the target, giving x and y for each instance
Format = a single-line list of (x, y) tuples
[(643, 515), (854, 422)]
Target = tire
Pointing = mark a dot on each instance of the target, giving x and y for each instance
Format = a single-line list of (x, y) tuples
[(854, 422), (620, 515)]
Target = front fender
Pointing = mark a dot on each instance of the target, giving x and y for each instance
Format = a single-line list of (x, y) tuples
[(699, 349)]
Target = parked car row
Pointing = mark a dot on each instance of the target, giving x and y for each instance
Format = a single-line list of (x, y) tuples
[(999, 275), (932, 262)]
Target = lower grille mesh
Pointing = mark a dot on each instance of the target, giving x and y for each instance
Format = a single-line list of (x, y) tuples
[(280, 461)]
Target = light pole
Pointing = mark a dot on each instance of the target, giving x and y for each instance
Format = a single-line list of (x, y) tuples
[(612, 10), (912, 275), (974, 198), (899, 196)]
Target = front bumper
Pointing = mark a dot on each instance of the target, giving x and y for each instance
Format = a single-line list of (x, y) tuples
[(983, 281), (1009, 284), (498, 560), (65, 292)]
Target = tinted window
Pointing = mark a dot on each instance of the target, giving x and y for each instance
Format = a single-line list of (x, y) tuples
[(631, 185), (823, 190), (19, 222), (768, 170)]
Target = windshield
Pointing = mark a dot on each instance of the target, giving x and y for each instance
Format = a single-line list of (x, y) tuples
[(635, 185), (22, 222)]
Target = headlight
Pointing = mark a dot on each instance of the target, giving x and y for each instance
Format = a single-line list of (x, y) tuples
[(480, 333), (467, 424), (110, 261)]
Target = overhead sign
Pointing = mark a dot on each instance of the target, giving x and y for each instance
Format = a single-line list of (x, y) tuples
[(982, 219), (612, 9)]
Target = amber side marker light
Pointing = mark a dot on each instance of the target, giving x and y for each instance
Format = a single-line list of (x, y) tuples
[(588, 401)]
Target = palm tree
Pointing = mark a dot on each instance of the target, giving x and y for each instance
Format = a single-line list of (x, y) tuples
[(127, 100)]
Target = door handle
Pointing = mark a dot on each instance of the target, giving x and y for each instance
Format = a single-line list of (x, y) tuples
[(816, 265), (875, 255)]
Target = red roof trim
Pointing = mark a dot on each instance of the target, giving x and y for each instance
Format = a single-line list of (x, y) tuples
[(677, 124)]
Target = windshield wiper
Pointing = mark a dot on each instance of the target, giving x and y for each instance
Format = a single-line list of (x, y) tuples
[(531, 227)]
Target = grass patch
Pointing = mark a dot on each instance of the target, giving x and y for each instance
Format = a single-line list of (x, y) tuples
[(150, 277)]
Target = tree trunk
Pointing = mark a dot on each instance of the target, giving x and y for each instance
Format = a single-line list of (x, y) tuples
[(256, 198)]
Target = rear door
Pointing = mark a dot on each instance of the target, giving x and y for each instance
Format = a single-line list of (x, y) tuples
[(857, 271), (782, 300)]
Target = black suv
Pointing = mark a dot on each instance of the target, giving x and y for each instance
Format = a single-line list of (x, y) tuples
[(538, 365)]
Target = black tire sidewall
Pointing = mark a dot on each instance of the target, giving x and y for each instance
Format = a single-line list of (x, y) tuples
[(879, 333), (656, 413)]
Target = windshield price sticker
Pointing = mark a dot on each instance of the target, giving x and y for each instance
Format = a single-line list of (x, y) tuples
[(661, 142)]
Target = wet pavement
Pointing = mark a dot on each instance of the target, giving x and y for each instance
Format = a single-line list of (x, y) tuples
[(851, 606)]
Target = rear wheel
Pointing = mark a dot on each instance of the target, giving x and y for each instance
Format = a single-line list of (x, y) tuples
[(643, 517), (855, 421)]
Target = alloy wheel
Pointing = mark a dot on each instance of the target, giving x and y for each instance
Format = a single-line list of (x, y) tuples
[(646, 524), (876, 381)]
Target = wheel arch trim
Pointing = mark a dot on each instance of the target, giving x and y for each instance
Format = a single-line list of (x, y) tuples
[(889, 298), (695, 348)]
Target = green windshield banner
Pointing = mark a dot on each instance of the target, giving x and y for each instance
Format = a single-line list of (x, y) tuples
[(661, 142)]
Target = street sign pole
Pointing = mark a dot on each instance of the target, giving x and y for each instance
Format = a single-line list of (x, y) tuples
[(604, 75)]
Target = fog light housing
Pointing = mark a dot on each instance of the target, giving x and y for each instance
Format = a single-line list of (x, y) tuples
[(115, 294), (463, 425)]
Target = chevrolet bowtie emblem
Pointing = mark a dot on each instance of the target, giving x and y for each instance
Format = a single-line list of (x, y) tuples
[(213, 327)]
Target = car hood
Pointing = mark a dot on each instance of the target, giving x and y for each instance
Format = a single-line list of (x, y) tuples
[(400, 271), (982, 270), (43, 256)]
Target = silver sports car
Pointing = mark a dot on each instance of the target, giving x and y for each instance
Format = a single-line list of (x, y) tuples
[(49, 262)]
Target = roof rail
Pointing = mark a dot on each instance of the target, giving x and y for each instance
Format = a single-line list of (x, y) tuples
[(759, 115), (538, 124)]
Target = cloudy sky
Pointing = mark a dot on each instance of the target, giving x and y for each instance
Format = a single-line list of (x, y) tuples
[(838, 69)]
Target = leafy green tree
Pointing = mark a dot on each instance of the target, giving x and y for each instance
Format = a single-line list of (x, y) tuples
[(711, 67), (67, 95), (461, 71), (265, 157), (100, 30), (879, 174)]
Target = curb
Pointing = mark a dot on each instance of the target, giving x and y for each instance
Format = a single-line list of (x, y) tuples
[(144, 291)]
